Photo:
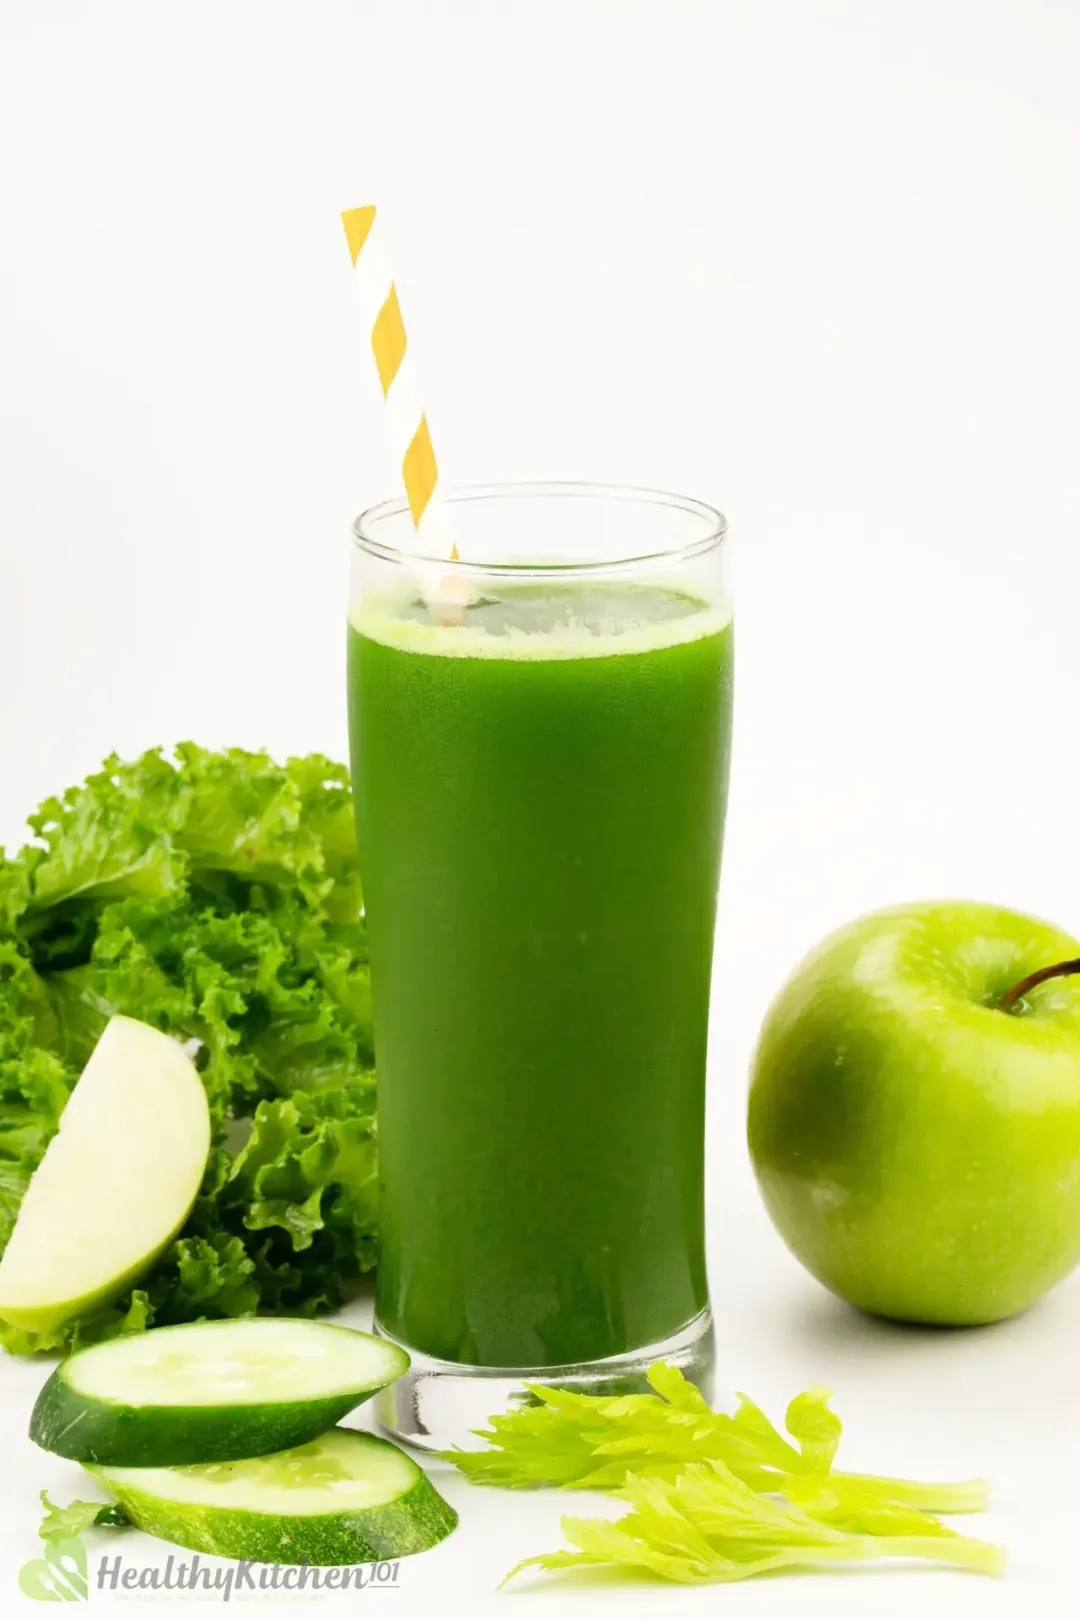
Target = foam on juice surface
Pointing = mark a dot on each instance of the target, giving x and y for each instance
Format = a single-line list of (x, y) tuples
[(541, 620)]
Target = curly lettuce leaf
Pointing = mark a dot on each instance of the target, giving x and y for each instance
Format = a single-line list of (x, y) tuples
[(108, 838), (230, 824), (216, 897), (308, 1169), (34, 1082), (274, 1015), (199, 1277), (247, 818), (14, 1181), (14, 892)]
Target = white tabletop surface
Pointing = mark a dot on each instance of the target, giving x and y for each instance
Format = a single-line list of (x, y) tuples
[(815, 261)]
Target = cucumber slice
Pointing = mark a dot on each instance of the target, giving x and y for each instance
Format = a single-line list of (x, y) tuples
[(116, 1182), (209, 1391), (345, 1498)]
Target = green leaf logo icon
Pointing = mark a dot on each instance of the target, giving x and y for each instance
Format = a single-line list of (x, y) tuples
[(59, 1577)]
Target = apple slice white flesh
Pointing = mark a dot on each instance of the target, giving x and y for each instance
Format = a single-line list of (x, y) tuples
[(116, 1183)]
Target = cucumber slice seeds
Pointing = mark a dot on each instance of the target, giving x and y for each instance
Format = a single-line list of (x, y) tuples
[(345, 1498), (209, 1392)]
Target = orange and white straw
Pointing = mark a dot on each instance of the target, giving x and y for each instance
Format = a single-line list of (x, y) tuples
[(409, 434)]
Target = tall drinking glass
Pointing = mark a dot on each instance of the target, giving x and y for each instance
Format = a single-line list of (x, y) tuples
[(540, 740)]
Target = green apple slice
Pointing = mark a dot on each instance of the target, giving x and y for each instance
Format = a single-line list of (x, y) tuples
[(209, 1391), (345, 1498), (116, 1182)]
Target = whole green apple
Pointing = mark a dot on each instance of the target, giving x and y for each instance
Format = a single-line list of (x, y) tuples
[(914, 1116)]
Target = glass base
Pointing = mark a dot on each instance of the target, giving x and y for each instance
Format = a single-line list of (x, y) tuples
[(438, 1404)]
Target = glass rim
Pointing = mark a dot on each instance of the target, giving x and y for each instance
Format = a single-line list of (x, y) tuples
[(715, 530)]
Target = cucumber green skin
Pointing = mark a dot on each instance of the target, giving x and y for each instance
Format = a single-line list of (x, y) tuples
[(89, 1430), (413, 1523)]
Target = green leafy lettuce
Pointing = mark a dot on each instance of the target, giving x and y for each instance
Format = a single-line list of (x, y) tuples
[(217, 897)]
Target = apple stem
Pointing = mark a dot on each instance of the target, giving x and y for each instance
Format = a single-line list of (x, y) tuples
[(1058, 970)]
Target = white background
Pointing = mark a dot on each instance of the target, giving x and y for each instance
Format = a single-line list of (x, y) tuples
[(817, 263)]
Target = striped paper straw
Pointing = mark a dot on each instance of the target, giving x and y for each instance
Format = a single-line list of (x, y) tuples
[(409, 434)]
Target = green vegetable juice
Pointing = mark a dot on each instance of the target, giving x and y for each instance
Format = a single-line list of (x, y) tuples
[(540, 798)]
